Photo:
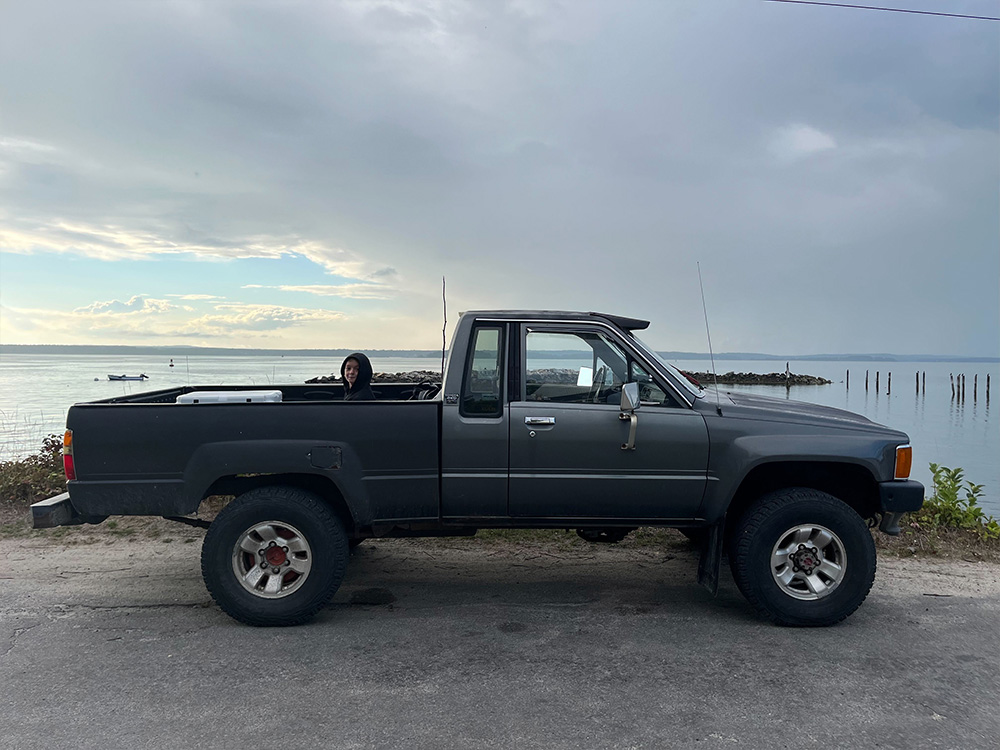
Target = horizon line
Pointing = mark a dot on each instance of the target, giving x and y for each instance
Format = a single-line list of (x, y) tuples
[(156, 348)]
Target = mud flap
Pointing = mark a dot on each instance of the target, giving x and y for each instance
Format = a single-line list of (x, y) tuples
[(711, 558)]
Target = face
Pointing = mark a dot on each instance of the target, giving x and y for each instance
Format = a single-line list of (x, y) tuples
[(351, 371)]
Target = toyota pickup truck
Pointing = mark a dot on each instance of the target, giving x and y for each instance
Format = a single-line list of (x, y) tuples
[(542, 420)]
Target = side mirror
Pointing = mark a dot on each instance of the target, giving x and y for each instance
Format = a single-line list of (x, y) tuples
[(630, 397)]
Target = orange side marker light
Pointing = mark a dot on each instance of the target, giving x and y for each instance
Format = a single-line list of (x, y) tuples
[(904, 461)]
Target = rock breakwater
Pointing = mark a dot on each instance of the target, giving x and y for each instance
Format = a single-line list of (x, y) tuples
[(554, 375), (414, 376), (753, 378)]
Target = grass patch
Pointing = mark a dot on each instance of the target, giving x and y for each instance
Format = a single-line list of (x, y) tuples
[(951, 524), (955, 505), (28, 480), (942, 543)]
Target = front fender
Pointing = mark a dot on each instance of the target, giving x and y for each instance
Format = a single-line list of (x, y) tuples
[(734, 456)]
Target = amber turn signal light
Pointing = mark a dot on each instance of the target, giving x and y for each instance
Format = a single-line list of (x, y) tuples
[(904, 461)]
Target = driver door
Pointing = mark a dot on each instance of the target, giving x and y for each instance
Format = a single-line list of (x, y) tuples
[(566, 457)]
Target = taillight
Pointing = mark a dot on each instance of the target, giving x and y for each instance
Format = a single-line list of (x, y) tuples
[(68, 466), (904, 461)]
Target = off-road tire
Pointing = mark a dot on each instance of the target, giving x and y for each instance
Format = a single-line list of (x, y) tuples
[(770, 578), (313, 529)]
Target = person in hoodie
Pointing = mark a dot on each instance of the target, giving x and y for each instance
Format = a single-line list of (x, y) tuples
[(356, 372)]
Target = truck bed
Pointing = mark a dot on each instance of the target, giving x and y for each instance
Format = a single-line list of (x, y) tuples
[(146, 454)]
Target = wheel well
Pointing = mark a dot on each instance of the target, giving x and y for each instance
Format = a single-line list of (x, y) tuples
[(322, 486), (850, 483)]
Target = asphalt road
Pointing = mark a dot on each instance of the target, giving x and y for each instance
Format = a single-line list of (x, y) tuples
[(116, 644)]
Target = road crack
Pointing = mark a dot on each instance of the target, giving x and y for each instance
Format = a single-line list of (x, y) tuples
[(18, 632)]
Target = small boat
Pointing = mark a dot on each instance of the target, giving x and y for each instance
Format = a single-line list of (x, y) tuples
[(128, 377)]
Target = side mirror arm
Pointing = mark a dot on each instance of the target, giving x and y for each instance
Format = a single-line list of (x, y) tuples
[(630, 402)]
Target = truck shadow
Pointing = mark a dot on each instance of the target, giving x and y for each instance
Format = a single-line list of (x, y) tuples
[(418, 577)]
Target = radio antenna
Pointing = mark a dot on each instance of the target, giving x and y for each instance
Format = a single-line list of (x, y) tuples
[(711, 354), (444, 327)]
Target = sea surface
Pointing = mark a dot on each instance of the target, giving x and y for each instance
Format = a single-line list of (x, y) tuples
[(37, 389)]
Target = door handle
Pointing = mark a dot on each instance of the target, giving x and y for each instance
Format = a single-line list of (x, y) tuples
[(539, 421)]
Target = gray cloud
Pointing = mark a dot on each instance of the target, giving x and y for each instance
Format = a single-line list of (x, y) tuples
[(832, 170)]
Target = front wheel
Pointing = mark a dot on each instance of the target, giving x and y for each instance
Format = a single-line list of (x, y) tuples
[(802, 557), (274, 556)]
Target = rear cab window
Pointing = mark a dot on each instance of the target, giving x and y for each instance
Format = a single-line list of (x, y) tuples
[(484, 374)]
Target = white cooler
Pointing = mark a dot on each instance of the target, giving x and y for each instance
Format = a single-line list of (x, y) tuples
[(230, 397)]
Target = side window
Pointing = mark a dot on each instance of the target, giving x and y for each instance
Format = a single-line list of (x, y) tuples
[(580, 367), (483, 374), (649, 391)]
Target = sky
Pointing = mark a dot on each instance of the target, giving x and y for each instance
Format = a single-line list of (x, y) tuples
[(303, 174)]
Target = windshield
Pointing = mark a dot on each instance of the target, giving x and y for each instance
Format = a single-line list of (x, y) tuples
[(681, 379)]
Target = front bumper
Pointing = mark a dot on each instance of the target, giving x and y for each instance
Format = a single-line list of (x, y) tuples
[(896, 498), (58, 510)]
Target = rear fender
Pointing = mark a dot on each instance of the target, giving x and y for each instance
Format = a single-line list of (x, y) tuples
[(335, 461)]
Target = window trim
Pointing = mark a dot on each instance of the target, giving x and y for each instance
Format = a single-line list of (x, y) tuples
[(634, 348), (502, 329), (570, 326)]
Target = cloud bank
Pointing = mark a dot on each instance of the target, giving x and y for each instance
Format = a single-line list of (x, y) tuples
[(836, 173)]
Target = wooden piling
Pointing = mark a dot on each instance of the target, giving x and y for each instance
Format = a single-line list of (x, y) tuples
[(866, 381), (916, 377), (888, 385), (923, 382), (876, 381), (847, 379), (975, 386), (951, 377)]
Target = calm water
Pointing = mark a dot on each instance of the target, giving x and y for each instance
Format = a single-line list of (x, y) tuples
[(36, 391)]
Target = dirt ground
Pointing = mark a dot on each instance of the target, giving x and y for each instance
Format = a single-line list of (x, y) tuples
[(109, 639), (960, 563)]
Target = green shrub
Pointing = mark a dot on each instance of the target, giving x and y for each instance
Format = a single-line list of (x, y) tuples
[(955, 504), (28, 480)]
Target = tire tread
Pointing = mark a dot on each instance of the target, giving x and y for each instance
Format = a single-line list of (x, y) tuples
[(331, 540), (748, 529)]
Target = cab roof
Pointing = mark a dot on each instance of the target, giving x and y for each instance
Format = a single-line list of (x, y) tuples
[(628, 324)]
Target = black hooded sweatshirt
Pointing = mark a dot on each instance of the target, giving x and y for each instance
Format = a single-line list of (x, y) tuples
[(362, 390)]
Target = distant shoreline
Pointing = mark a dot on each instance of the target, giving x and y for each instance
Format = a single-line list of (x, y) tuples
[(191, 351)]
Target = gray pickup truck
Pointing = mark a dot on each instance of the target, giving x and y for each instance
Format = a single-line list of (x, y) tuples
[(543, 420)]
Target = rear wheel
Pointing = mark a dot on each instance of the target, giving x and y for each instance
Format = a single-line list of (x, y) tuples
[(274, 556), (802, 557)]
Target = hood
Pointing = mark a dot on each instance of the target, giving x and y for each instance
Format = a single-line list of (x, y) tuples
[(752, 406), (364, 371)]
